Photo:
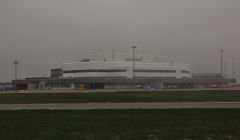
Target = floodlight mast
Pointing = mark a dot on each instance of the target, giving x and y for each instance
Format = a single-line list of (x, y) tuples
[(233, 70), (221, 53), (134, 59), (16, 69), (233, 67)]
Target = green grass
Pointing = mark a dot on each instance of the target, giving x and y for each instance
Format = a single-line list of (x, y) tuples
[(163, 96), (189, 124)]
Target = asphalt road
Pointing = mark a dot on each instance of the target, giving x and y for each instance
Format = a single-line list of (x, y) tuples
[(93, 106)]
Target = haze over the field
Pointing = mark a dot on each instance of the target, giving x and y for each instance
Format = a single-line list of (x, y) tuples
[(42, 34)]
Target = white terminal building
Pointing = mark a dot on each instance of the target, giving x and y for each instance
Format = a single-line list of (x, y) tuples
[(124, 66), (125, 69), (121, 71)]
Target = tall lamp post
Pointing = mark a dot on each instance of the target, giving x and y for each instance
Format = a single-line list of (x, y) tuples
[(15, 69), (221, 53), (233, 70), (134, 59), (233, 67)]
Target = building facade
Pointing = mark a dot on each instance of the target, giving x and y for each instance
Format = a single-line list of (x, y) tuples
[(88, 74), (98, 69)]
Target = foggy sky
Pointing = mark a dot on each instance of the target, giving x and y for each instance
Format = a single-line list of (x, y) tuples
[(42, 34)]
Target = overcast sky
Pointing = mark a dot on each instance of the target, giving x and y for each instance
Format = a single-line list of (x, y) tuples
[(41, 34)]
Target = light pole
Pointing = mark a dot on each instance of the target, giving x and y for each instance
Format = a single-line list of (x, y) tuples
[(113, 55), (15, 68), (233, 67), (221, 53), (134, 59), (233, 70)]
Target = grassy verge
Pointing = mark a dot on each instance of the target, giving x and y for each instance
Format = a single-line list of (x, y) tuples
[(164, 96), (201, 124)]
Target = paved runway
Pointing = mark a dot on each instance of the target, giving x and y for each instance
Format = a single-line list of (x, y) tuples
[(114, 90), (93, 106)]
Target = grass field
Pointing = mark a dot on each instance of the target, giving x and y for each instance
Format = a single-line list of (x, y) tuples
[(151, 96), (198, 124)]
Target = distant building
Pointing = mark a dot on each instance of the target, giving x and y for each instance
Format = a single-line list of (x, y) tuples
[(56, 73), (88, 74), (207, 75), (98, 69), (211, 80), (6, 86)]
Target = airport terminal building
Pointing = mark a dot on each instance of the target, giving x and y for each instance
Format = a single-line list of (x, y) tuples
[(98, 69), (92, 74), (121, 77)]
